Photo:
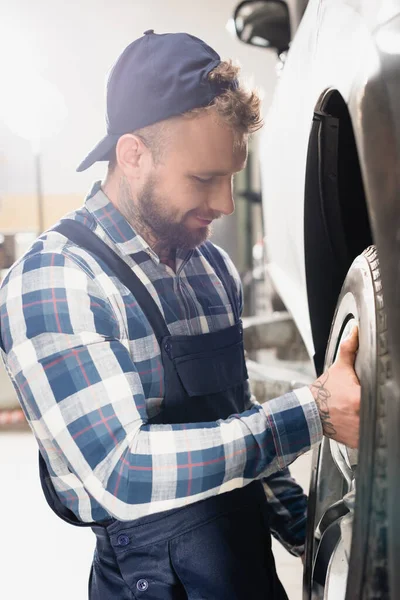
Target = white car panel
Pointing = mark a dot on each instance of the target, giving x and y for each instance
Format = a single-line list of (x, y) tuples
[(333, 49)]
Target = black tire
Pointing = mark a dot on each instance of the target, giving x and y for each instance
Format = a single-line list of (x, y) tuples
[(361, 298)]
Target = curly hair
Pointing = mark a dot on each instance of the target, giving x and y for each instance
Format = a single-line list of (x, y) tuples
[(237, 106)]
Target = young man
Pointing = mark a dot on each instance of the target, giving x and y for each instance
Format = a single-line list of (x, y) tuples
[(121, 331)]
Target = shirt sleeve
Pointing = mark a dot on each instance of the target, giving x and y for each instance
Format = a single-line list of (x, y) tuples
[(287, 506), (84, 400)]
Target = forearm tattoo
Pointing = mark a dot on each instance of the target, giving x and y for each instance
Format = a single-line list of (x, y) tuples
[(322, 395)]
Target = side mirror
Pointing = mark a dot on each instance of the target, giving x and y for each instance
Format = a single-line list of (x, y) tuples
[(263, 23)]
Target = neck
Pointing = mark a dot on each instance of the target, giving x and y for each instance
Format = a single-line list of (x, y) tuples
[(169, 258), (120, 195)]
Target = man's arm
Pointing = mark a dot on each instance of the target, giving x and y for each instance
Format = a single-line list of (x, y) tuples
[(287, 508), (287, 502), (83, 397)]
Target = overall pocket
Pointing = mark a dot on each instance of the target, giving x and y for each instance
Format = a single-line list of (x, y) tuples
[(212, 371)]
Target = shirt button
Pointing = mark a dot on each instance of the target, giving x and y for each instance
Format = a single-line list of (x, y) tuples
[(142, 585), (123, 540)]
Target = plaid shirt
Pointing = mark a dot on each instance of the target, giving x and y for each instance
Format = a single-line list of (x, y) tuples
[(88, 373)]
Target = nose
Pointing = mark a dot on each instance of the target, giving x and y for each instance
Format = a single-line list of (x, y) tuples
[(222, 201)]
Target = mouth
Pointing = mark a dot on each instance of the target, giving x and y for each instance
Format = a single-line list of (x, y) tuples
[(204, 222)]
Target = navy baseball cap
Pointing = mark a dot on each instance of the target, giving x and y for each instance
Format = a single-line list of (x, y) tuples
[(155, 78)]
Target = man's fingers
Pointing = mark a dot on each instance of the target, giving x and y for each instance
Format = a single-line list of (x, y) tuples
[(349, 347)]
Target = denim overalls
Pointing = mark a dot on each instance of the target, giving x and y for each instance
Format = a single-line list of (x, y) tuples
[(215, 549)]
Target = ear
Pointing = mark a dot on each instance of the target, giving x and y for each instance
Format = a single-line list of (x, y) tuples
[(132, 155)]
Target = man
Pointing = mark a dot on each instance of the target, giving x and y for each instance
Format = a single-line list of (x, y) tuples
[(121, 331)]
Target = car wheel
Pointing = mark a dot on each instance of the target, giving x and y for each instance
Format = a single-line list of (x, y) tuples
[(346, 548)]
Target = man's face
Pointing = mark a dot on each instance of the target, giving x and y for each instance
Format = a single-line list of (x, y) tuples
[(191, 185)]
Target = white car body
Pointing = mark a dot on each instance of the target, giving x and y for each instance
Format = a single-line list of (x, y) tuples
[(335, 47)]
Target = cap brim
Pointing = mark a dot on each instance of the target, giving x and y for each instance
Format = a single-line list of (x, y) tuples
[(103, 151)]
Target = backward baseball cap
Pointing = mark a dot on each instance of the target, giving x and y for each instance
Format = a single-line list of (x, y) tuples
[(156, 77)]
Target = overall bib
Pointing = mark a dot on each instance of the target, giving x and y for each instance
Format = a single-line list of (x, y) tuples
[(215, 549)]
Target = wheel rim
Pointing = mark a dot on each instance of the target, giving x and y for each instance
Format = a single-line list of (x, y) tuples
[(334, 497)]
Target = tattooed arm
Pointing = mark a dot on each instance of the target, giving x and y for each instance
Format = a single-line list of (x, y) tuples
[(322, 396), (337, 394)]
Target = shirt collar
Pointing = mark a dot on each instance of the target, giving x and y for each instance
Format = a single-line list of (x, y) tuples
[(115, 225)]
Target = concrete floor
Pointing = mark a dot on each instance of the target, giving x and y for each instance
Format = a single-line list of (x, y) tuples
[(42, 557)]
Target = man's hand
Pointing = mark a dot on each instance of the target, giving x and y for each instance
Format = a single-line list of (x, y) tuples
[(338, 393)]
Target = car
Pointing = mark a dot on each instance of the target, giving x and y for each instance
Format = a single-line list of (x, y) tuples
[(330, 169)]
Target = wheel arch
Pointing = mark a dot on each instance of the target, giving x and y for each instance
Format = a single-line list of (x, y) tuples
[(336, 216)]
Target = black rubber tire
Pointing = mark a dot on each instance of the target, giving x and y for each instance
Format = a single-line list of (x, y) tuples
[(368, 569)]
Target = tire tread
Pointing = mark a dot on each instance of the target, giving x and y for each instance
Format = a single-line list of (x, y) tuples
[(376, 572)]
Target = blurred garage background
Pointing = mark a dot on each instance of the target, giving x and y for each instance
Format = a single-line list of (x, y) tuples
[(54, 59)]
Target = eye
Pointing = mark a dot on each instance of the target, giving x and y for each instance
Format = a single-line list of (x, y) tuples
[(203, 179)]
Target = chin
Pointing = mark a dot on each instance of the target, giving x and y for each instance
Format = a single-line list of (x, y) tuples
[(197, 237)]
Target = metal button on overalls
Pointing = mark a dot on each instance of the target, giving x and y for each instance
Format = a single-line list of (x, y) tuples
[(123, 540), (215, 549), (142, 585)]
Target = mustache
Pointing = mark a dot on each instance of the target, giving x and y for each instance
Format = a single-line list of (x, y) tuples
[(212, 216)]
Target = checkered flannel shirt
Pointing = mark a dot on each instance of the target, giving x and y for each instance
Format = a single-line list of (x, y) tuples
[(87, 369)]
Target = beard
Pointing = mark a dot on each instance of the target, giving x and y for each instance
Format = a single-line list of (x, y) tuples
[(153, 219)]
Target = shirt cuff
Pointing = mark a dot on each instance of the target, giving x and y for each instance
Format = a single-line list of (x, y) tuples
[(297, 551), (311, 413), (295, 424)]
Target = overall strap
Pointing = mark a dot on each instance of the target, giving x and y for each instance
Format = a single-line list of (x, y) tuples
[(215, 259), (85, 238)]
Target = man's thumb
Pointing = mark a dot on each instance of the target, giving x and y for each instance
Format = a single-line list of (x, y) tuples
[(349, 347)]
